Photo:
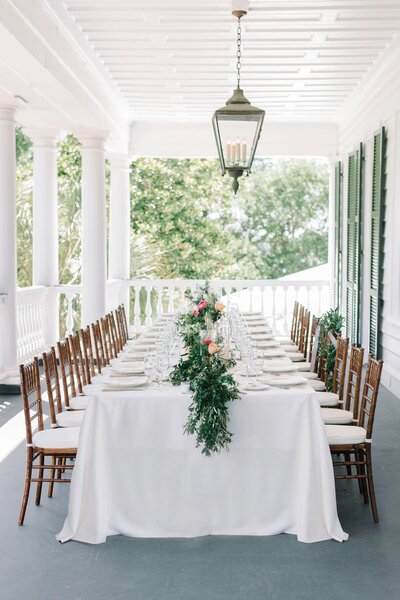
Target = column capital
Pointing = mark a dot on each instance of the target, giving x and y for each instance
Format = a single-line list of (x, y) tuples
[(120, 161), (44, 138), (7, 112), (92, 139)]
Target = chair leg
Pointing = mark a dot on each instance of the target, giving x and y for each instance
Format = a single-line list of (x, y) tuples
[(347, 458), (52, 476), (39, 483), (362, 483), (371, 486), (27, 487)]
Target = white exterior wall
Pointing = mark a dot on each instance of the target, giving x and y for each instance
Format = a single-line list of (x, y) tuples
[(377, 105)]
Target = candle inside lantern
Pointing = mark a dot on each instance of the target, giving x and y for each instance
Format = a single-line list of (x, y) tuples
[(228, 151), (244, 151), (236, 152)]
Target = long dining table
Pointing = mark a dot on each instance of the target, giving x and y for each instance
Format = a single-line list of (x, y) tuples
[(138, 474)]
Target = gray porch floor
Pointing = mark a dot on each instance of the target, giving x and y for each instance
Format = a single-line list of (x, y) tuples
[(33, 565)]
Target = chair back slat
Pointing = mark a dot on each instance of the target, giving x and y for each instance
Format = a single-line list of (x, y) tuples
[(304, 329), (121, 328), (67, 372), (105, 334), (78, 364), (370, 394), (294, 321), (298, 325), (354, 381), (52, 384), (87, 348), (313, 332), (339, 369), (31, 396), (98, 346), (116, 342)]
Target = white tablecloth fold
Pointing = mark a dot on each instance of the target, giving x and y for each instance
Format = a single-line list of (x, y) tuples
[(137, 474)]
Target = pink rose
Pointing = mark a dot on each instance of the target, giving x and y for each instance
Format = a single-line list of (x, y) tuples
[(202, 304), (207, 342), (196, 312)]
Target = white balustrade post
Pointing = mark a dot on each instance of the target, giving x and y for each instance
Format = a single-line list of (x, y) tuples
[(8, 235), (45, 226), (94, 272), (119, 252)]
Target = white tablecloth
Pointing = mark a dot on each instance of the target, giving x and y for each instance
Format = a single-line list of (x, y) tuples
[(137, 474)]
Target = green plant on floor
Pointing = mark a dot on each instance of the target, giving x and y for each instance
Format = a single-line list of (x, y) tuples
[(331, 321)]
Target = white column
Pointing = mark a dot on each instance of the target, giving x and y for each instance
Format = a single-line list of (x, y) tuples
[(119, 232), (45, 226), (331, 230), (94, 276), (8, 235)]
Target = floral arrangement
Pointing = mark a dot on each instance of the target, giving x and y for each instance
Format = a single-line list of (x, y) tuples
[(206, 368), (332, 321)]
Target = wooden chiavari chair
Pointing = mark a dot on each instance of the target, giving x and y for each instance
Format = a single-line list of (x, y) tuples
[(298, 326), (98, 346), (120, 325), (106, 337), (348, 411), (124, 321), (87, 352), (303, 327), (115, 339), (353, 442), (57, 444), (58, 416), (335, 397), (67, 373), (78, 363)]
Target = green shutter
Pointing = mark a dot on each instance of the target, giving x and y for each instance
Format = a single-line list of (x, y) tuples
[(377, 222), (354, 180), (337, 251)]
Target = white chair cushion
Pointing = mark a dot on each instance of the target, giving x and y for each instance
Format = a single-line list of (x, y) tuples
[(317, 385), (65, 437), (79, 403), (340, 435), (337, 416), (309, 375), (70, 418), (304, 366), (283, 340), (288, 347), (296, 356), (328, 399)]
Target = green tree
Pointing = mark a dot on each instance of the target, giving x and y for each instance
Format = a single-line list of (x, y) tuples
[(24, 189), (285, 208)]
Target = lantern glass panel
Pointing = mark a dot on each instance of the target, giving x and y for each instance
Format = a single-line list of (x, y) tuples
[(237, 135)]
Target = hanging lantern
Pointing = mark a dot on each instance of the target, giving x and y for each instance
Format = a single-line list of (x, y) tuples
[(237, 125)]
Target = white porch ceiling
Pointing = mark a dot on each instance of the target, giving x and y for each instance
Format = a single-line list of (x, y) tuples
[(175, 59)]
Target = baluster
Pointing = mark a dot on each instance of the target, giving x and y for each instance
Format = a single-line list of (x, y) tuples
[(171, 290), (308, 289), (136, 310), (228, 297), (148, 320), (274, 309), (24, 331), (285, 310), (319, 299), (160, 308)]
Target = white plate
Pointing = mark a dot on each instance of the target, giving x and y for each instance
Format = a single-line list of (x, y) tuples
[(272, 353), (267, 344), (278, 380), (272, 369), (262, 336), (126, 371), (254, 386)]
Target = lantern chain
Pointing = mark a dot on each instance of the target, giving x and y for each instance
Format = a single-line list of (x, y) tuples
[(239, 52)]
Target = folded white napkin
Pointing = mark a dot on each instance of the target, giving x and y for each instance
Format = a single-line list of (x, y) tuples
[(278, 380), (125, 384)]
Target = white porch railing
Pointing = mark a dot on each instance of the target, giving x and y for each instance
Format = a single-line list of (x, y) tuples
[(149, 298), (31, 326), (274, 298)]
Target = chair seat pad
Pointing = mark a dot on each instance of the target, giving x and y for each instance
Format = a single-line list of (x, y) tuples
[(65, 437), (284, 340), (295, 356), (289, 347), (317, 385), (304, 366), (309, 375), (328, 399), (340, 435), (79, 403), (337, 416), (70, 418)]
